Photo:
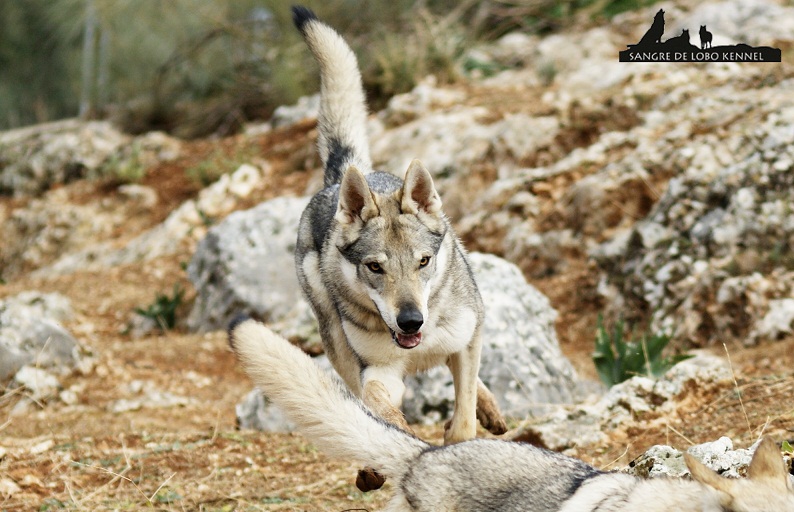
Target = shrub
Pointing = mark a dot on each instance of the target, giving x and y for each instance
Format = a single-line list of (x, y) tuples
[(124, 168), (217, 164), (617, 359), (163, 309)]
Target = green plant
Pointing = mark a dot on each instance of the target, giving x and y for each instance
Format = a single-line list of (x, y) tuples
[(217, 164), (617, 359), (163, 309), (399, 60), (125, 168)]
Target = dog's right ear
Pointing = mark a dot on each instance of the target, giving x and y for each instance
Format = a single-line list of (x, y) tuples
[(767, 464), (355, 199)]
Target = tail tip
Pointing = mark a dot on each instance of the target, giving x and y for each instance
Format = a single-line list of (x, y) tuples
[(236, 321), (301, 16)]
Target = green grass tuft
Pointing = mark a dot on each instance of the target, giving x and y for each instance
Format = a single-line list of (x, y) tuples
[(617, 359), (163, 309)]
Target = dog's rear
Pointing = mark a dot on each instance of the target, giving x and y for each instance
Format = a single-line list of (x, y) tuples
[(485, 474)]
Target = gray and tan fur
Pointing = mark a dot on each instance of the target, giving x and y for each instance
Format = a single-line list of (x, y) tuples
[(387, 278), (485, 474)]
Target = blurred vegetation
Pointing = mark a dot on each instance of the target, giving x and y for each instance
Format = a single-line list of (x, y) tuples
[(163, 308), (194, 67), (617, 358), (219, 163)]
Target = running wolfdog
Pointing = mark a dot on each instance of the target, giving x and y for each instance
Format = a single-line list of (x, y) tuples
[(386, 276)]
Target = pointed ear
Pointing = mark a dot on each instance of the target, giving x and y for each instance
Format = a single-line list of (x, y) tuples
[(355, 199), (767, 464), (706, 476), (419, 194)]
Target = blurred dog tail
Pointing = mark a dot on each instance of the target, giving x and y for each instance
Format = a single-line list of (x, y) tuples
[(320, 405)]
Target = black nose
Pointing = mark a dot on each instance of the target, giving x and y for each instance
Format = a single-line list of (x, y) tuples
[(410, 320)]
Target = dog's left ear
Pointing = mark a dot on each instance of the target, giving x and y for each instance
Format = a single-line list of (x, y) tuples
[(419, 194)]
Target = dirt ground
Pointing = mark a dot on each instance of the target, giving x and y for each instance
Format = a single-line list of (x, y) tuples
[(191, 456)]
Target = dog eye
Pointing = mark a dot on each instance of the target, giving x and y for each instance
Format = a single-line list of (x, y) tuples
[(374, 266), (424, 261)]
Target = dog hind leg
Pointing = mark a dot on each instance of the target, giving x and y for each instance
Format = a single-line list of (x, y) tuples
[(488, 413)]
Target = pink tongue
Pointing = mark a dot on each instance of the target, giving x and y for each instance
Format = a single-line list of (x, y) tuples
[(409, 340)]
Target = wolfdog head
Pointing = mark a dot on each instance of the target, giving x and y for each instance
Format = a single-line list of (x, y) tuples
[(766, 488), (391, 237)]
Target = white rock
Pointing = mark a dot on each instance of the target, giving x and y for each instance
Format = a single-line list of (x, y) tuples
[(41, 447), (8, 487), (246, 264), (778, 321), (40, 383)]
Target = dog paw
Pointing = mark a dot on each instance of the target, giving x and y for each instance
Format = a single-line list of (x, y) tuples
[(488, 413), (492, 421), (494, 425), (369, 480)]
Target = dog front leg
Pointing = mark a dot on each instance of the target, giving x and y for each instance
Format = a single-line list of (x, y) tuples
[(464, 366), (383, 393)]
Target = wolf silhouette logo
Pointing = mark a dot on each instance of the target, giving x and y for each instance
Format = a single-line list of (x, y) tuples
[(705, 38), (651, 48), (655, 33)]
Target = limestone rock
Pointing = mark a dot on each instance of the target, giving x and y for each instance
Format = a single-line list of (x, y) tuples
[(719, 455), (246, 264), (31, 333)]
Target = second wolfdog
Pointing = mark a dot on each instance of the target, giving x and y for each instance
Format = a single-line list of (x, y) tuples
[(486, 474), (387, 278)]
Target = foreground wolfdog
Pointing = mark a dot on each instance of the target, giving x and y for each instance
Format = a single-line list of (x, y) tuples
[(485, 474), (387, 278)]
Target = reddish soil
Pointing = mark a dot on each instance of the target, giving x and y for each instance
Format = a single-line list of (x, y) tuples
[(192, 457)]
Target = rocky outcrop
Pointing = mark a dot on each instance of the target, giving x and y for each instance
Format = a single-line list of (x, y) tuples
[(714, 256), (35, 348), (36, 158), (246, 264), (637, 401), (180, 230)]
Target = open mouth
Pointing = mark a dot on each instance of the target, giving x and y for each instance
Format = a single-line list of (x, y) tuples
[(406, 341)]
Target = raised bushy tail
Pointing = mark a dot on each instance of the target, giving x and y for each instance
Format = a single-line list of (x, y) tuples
[(342, 139), (320, 405)]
